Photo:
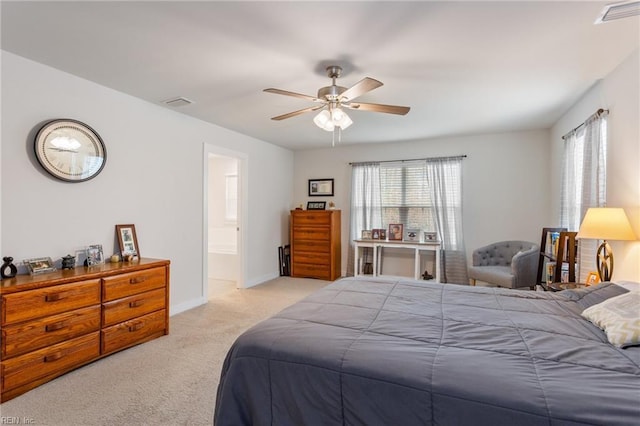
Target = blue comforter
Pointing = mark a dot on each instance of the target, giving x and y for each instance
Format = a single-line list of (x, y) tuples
[(376, 352)]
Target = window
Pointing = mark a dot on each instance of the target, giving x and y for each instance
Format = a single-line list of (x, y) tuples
[(231, 198), (405, 196), (584, 172)]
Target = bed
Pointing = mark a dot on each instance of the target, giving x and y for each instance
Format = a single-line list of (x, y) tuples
[(381, 352)]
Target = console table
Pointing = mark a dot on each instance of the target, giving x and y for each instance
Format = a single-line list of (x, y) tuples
[(53, 323), (377, 245)]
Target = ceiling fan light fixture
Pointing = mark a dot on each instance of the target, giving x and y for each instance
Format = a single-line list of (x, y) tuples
[(342, 120), (324, 121)]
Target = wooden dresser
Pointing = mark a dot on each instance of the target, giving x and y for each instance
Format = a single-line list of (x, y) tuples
[(315, 244), (53, 323)]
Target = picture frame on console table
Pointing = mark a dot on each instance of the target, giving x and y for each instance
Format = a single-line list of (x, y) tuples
[(128, 240), (395, 232)]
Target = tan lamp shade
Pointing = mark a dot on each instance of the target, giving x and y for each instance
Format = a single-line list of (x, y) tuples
[(606, 223)]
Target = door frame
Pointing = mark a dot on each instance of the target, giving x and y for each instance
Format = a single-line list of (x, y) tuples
[(243, 196)]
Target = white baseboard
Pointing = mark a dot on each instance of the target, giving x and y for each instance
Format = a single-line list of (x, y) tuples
[(259, 280), (185, 306)]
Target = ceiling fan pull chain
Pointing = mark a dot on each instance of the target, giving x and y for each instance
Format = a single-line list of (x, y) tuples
[(333, 137)]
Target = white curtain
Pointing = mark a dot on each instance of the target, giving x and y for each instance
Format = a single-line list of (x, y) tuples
[(445, 184), (584, 181), (366, 210)]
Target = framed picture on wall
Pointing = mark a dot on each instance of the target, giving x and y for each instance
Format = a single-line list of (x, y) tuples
[(320, 187)]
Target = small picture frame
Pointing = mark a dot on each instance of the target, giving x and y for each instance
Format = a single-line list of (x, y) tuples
[(430, 236), (383, 234), (366, 234), (412, 234), (395, 231), (320, 187), (128, 240), (95, 256), (375, 234), (593, 278), (39, 265), (316, 205)]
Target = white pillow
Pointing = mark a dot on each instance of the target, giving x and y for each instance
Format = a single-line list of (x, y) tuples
[(619, 317)]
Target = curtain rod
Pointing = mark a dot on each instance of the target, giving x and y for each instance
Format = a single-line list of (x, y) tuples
[(413, 159), (598, 112)]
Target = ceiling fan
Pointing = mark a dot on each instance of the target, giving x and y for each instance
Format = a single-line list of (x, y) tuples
[(332, 99)]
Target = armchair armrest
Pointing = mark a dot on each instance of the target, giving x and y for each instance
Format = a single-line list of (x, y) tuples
[(524, 266)]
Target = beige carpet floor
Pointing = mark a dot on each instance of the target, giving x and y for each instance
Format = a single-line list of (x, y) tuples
[(168, 381)]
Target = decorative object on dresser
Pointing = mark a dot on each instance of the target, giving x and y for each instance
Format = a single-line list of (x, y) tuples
[(8, 270), (54, 323), (95, 256), (128, 241), (315, 244), (68, 262), (70, 150), (39, 265), (316, 205)]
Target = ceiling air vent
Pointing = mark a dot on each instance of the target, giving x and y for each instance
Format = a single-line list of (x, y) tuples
[(178, 102), (615, 11)]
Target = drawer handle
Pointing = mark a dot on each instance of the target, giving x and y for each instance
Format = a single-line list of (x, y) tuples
[(135, 327), (54, 327), (54, 297), (136, 303), (53, 357), (136, 280)]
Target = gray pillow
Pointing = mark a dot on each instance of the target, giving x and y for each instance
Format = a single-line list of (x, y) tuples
[(592, 295)]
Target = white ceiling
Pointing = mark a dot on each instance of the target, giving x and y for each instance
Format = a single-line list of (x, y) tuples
[(463, 67)]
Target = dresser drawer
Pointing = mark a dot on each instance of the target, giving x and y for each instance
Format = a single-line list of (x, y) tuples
[(32, 304), (134, 331), (311, 246), (132, 283), (28, 336), (305, 270), (311, 218), (44, 362), (132, 306), (313, 258), (320, 233)]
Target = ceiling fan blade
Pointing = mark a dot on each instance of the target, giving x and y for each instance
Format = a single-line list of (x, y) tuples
[(295, 95), (294, 113), (360, 88), (389, 109)]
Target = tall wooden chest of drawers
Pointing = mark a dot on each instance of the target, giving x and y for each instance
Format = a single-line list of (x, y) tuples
[(315, 244), (53, 323)]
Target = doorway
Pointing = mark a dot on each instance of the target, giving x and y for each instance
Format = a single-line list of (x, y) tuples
[(223, 219)]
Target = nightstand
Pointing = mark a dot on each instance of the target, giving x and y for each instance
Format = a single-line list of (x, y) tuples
[(562, 286)]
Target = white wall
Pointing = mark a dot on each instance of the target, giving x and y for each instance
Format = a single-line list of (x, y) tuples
[(619, 92), (153, 178), (505, 181)]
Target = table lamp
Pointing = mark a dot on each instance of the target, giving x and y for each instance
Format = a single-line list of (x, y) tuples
[(605, 223)]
